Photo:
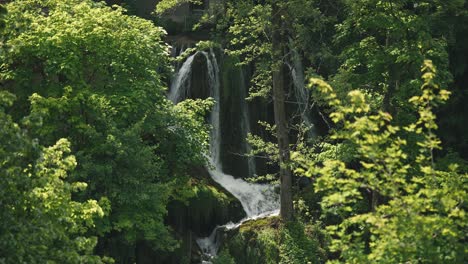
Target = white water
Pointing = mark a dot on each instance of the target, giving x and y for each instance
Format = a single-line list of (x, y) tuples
[(245, 125), (301, 92), (175, 52), (213, 80), (258, 200), (181, 83), (211, 244)]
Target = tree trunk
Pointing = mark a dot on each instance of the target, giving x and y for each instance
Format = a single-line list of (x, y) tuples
[(286, 210)]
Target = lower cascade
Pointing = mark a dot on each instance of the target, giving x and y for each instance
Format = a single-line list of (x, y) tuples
[(258, 200)]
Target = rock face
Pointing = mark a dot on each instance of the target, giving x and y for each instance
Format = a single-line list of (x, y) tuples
[(210, 73), (235, 117), (255, 241), (210, 206), (200, 87)]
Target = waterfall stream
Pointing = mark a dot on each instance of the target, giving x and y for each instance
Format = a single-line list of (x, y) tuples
[(301, 92), (181, 83), (246, 123), (258, 200)]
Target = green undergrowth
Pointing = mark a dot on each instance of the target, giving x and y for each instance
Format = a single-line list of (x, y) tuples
[(205, 189), (269, 240)]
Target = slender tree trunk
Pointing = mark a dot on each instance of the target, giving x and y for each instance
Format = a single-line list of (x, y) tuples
[(286, 210)]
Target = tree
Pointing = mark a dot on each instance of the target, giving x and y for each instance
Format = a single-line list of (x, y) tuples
[(274, 70), (40, 220), (94, 75), (383, 44), (265, 34), (422, 216), (278, 52)]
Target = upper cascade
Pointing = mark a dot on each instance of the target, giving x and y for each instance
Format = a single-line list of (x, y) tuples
[(258, 200), (181, 82)]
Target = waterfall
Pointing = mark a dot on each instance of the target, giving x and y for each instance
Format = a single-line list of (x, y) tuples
[(175, 52), (211, 244), (213, 80), (258, 200), (301, 92), (181, 83), (246, 123)]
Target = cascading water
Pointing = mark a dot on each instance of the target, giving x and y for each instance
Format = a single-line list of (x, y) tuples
[(301, 92), (258, 200), (177, 51), (245, 125), (181, 83), (213, 80)]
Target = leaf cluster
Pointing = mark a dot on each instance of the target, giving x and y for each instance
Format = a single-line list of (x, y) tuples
[(41, 220), (88, 72), (420, 214)]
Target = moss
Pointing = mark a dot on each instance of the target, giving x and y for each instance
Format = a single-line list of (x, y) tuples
[(255, 242), (300, 245), (260, 224), (201, 205), (223, 258), (207, 206), (211, 193), (268, 240)]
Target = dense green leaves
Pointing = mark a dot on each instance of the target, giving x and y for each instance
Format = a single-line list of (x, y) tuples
[(90, 73), (89, 81), (384, 42), (419, 211), (166, 5), (40, 220)]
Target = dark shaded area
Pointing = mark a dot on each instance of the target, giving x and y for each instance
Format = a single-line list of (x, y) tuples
[(453, 117)]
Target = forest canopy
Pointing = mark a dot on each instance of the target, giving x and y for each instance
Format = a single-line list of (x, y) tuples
[(352, 112), (89, 77)]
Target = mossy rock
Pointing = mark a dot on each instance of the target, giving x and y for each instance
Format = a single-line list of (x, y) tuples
[(268, 240), (255, 241), (210, 205)]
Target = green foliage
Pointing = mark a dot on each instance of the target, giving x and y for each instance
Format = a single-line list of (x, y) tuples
[(199, 46), (89, 80), (2, 14), (41, 223), (245, 28), (84, 45), (384, 42), (268, 241), (223, 258), (420, 215), (167, 5), (256, 242), (90, 73), (300, 245)]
